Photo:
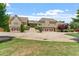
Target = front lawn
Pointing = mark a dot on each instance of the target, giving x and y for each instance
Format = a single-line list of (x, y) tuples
[(74, 34), (35, 48)]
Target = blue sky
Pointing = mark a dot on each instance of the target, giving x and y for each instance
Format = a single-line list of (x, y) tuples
[(35, 11)]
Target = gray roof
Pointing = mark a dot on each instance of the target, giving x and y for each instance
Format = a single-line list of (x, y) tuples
[(48, 19), (23, 19)]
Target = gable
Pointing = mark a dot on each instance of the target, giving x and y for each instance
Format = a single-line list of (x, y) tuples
[(18, 19), (14, 19)]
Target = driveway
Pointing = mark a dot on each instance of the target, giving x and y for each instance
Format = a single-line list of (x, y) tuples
[(44, 36), (48, 36)]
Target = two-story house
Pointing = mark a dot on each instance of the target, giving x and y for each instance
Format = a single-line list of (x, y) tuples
[(15, 23), (48, 24)]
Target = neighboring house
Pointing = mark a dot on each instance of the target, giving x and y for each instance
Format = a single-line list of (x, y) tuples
[(15, 23), (48, 24)]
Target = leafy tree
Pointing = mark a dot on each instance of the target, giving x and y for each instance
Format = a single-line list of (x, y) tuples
[(61, 27), (4, 18), (74, 25), (75, 21)]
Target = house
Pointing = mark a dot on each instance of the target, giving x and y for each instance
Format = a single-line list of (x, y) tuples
[(46, 24), (15, 23)]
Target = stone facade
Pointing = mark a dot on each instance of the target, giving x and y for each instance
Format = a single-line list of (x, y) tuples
[(46, 24), (15, 23), (49, 24)]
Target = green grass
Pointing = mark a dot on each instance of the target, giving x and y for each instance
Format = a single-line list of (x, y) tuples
[(74, 34), (35, 48)]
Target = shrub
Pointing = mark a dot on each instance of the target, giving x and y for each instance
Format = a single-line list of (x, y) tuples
[(66, 30), (76, 30), (38, 28), (22, 28), (27, 27), (70, 30)]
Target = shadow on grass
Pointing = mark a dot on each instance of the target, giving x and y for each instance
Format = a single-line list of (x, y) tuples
[(5, 38), (76, 35), (75, 39)]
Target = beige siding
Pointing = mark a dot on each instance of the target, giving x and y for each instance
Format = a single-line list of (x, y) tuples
[(15, 23)]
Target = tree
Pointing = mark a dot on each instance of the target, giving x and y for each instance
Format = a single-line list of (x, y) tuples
[(61, 27), (4, 18), (22, 28), (75, 21)]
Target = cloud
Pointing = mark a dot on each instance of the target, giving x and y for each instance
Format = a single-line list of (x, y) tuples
[(63, 17), (50, 12), (57, 14), (7, 4)]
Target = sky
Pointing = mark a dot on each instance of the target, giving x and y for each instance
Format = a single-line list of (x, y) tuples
[(35, 11)]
